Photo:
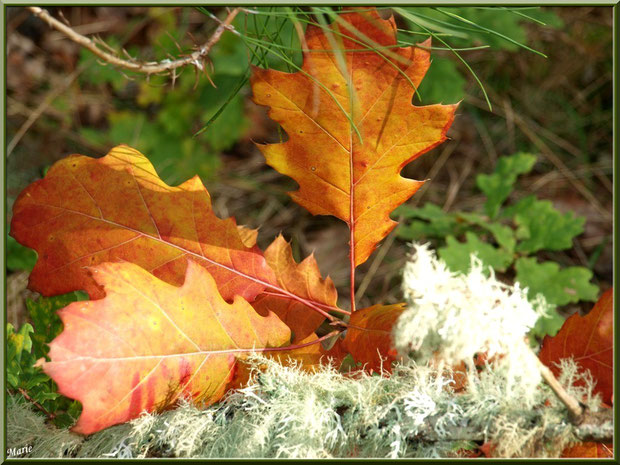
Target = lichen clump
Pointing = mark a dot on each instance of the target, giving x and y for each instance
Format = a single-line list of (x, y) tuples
[(451, 317)]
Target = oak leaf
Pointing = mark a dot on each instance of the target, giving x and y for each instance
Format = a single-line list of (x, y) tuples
[(147, 343), (88, 211), (587, 450), (248, 236), (304, 280), (369, 336), (352, 171), (309, 357), (589, 341), (313, 355)]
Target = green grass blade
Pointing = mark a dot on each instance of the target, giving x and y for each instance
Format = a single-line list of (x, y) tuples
[(406, 15), (229, 99), (523, 15), (319, 83), (490, 31)]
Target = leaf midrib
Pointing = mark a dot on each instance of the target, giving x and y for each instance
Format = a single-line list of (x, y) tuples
[(284, 292)]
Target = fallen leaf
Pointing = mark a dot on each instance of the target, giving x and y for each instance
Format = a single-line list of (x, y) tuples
[(487, 449), (303, 280), (88, 211), (369, 336), (310, 357), (147, 343), (247, 235), (587, 450), (589, 340), (339, 173)]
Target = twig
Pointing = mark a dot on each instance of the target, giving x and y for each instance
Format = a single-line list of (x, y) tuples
[(36, 114), (575, 409), (23, 392), (195, 59)]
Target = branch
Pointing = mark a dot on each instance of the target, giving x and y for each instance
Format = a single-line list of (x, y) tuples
[(196, 58), (575, 409), (49, 415)]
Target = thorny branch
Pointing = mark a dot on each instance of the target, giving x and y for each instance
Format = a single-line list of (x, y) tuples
[(195, 59)]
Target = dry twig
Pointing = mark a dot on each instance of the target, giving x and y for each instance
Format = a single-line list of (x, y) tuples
[(49, 415), (36, 114), (195, 59)]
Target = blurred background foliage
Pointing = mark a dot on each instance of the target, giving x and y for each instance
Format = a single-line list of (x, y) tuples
[(557, 107)]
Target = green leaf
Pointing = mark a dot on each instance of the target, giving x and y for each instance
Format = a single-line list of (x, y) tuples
[(547, 325), (429, 211), (12, 378), (96, 73), (504, 235), (541, 226), (19, 361), (498, 185), (47, 324), (42, 396), (19, 257), (230, 125), (166, 128), (559, 287), (443, 83), (230, 56), (18, 342), (436, 222), (457, 254), (35, 379), (21, 372)]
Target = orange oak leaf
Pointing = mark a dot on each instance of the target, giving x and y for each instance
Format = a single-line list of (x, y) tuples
[(369, 336), (589, 340), (247, 235), (304, 280), (353, 177), (308, 357), (88, 211), (313, 355), (147, 343), (587, 450)]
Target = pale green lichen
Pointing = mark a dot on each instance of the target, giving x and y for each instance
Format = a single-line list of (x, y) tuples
[(451, 317), (288, 413), (27, 428)]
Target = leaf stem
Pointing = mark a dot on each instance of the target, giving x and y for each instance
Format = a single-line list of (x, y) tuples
[(352, 267), (318, 304), (300, 346), (48, 414)]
